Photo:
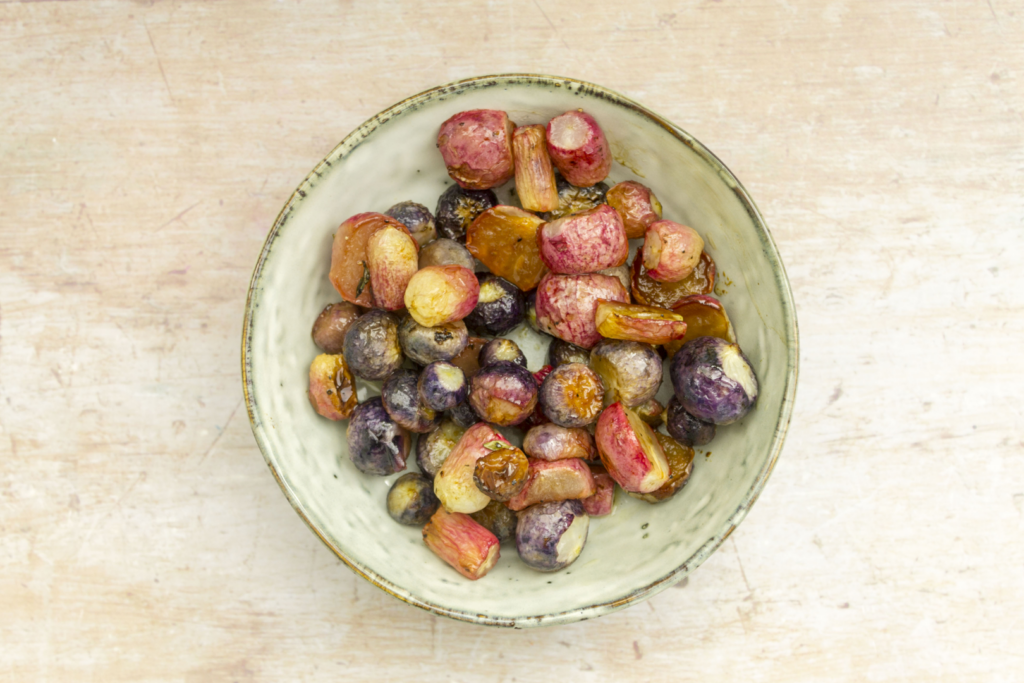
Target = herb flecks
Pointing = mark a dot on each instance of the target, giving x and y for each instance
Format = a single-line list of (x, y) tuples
[(363, 281)]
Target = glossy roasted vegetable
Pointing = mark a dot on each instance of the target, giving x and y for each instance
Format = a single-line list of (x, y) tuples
[(501, 349), (601, 503), (350, 273), (505, 240), (562, 352), (550, 536), (503, 393), (463, 543), (621, 273), (573, 199), (441, 294), (376, 443), (499, 307), (446, 252), (454, 484), (685, 428), (433, 449), (417, 218), (458, 208), (637, 206), (331, 325), (535, 176), (332, 390), (537, 417), (630, 371), (705, 317), (501, 473), (542, 374), (411, 500), (468, 360), (713, 380), (442, 386), (671, 251), (572, 395), (630, 451), (463, 415), (551, 442), (401, 398), (566, 305), (371, 345), (425, 345), (497, 519), (680, 462), (651, 412), (634, 322), (392, 259), (585, 242), (477, 148), (549, 480), (650, 292), (578, 148)]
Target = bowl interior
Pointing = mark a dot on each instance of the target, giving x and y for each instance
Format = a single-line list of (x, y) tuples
[(640, 548)]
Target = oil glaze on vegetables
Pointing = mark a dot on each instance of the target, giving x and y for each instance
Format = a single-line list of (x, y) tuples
[(415, 285)]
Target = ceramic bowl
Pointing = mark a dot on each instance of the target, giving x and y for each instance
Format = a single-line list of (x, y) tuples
[(640, 549)]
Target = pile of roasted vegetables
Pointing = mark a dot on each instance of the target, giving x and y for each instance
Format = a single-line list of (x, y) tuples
[(428, 298)]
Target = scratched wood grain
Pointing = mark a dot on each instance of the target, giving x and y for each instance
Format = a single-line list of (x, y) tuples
[(145, 149)]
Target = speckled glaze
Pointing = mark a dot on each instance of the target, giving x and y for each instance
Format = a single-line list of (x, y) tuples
[(638, 550)]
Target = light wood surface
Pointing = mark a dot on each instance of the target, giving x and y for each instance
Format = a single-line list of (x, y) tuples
[(146, 149)]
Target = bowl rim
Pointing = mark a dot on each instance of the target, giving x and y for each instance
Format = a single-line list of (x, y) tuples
[(349, 143)]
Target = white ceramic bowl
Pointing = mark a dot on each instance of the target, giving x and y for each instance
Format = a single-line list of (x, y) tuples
[(640, 549)]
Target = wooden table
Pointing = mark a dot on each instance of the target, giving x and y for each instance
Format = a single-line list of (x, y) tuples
[(146, 149)]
